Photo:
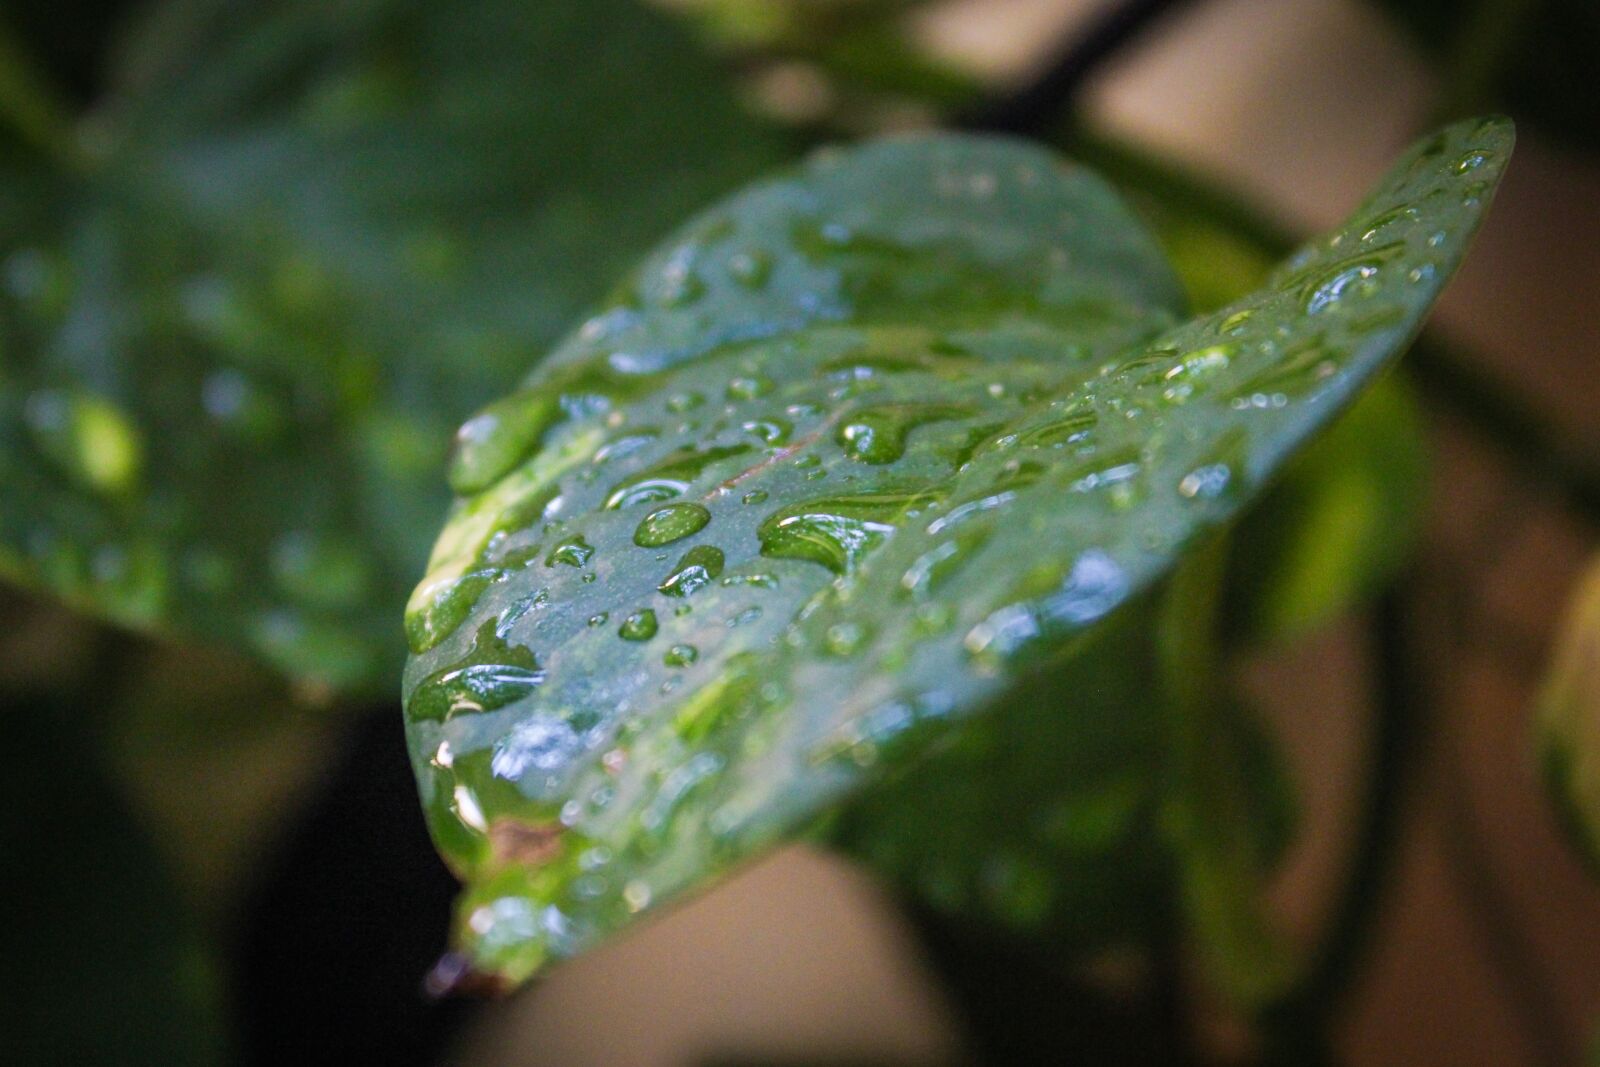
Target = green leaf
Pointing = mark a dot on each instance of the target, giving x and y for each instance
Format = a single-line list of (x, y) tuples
[(111, 968), (1344, 517), (1569, 721), (231, 356), (849, 458)]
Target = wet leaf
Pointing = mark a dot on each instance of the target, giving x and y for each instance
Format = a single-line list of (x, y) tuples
[(931, 403), (1343, 517), (232, 353), (1569, 721)]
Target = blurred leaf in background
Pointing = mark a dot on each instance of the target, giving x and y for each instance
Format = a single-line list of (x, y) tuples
[(238, 328)]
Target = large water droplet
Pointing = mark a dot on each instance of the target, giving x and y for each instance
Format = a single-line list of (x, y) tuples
[(638, 626), (574, 551), (837, 531), (671, 523), (501, 436), (878, 434), (699, 566)]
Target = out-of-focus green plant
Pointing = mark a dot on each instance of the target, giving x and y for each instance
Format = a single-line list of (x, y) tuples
[(241, 318)]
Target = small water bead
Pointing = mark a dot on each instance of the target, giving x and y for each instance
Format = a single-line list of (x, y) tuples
[(677, 285), (769, 431), (671, 523), (599, 618), (639, 626), (751, 268), (844, 639), (748, 615), (679, 403), (680, 656), (748, 387), (572, 552), (1235, 322), (1206, 483), (754, 496), (699, 567)]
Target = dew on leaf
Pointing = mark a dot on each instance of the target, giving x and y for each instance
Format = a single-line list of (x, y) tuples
[(671, 523)]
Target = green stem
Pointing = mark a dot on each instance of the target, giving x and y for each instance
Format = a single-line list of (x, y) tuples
[(31, 108)]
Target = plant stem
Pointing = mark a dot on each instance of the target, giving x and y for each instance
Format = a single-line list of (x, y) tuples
[(1399, 716), (1037, 107), (31, 108)]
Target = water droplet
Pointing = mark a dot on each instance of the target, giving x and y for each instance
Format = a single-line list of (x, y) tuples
[(836, 532), (491, 675), (573, 552), (680, 656), (844, 639), (599, 619), (878, 435), (1206, 483), (748, 387), (699, 566), (671, 523), (638, 626), (1353, 275), (750, 269), (500, 437), (769, 431), (754, 496), (671, 477), (679, 403)]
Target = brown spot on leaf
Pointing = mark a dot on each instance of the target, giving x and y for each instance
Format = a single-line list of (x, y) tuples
[(528, 844)]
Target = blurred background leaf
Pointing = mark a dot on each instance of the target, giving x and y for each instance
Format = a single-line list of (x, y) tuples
[(235, 350)]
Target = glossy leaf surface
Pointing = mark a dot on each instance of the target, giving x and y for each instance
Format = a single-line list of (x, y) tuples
[(232, 353), (850, 458)]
